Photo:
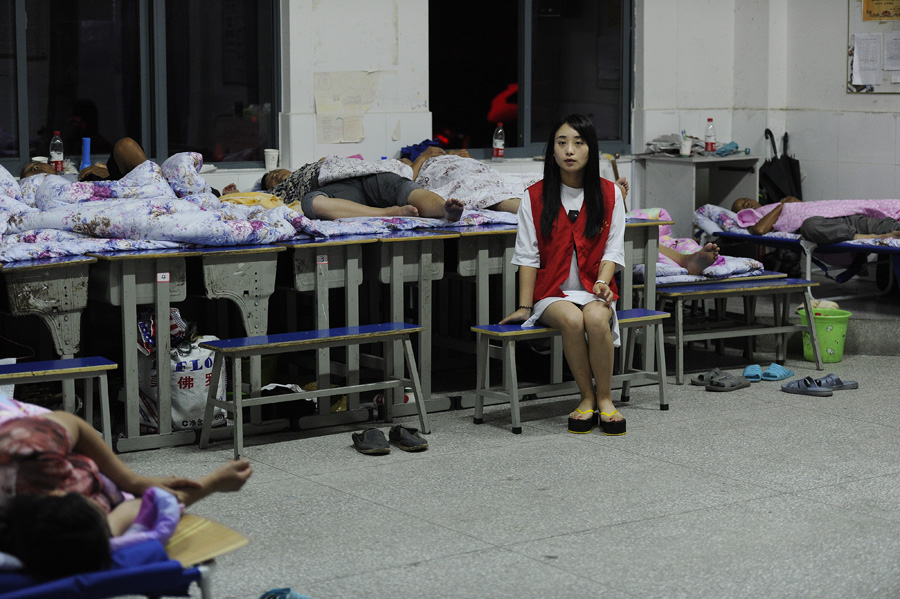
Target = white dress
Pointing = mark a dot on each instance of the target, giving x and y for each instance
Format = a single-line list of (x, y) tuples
[(526, 253)]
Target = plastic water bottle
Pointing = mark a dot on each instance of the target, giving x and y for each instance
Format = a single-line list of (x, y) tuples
[(56, 152), (85, 153), (710, 138), (499, 144)]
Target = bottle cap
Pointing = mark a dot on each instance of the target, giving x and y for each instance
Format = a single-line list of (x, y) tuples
[(56, 133), (709, 119), (499, 124)]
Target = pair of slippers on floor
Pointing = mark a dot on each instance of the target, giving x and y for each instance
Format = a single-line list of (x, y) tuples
[(610, 427), (372, 442), (775, 372), (716, 380), (823, 387)]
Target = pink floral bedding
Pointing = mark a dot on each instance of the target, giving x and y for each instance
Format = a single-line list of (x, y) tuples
[(166, 206)]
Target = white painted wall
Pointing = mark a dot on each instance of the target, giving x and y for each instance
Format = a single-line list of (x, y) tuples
[(767, 63), (387, 36)]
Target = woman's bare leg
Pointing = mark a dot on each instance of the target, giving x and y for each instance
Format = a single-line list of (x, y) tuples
[(696, 262), (601, 353), (569, 319)]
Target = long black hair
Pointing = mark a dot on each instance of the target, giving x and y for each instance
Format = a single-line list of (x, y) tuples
[(55, 536), (593, 193)]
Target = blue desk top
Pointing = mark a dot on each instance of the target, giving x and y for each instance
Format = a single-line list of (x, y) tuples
[(144, 254), (494, 229), (314, 335), (737, 285), (414, 234), (647, 222), (241, 249), (47, 262), (334, 240), (790, 243)]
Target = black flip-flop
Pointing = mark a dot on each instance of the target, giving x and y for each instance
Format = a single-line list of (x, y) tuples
[(407, 439), (580, 426), (371, 442), (612, 428)]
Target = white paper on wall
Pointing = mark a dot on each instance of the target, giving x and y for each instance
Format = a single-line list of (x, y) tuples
[(342, 98)]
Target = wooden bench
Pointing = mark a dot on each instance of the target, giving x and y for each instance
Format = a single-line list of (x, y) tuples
[(779, 289), (69, 369), (508, 335), (263, 345)]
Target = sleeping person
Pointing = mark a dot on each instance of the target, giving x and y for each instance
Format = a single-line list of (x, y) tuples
[(455, 174), (64, 493), (359, 193), (477, 185), (824, 221), (125, 156)]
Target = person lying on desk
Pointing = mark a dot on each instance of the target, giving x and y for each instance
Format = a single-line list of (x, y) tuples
[(818, 229), (379, 194), (64, 493), (125, 156), (479, 186)]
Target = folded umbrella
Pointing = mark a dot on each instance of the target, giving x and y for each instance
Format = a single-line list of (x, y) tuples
[(779, 177)]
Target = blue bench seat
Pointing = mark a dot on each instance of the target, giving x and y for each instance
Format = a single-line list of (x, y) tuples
[(244, 347), (509, 335), (67, 369)]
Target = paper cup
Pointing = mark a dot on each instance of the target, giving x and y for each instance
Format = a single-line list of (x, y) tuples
[(271, 159), (39, 159), (686, 147)]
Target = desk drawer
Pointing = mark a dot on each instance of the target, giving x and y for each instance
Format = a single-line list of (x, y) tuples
[(377, 260), (333, 258), (106, 281)]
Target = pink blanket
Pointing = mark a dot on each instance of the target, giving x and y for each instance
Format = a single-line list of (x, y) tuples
[(794, 213)]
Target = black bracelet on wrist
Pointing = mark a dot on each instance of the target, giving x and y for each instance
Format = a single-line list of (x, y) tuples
[(529, 308)]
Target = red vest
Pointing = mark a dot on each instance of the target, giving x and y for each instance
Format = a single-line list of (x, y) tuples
[(556, 250)]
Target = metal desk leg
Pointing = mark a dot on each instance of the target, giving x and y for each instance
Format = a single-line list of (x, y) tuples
[(323, 356), (679, 341)]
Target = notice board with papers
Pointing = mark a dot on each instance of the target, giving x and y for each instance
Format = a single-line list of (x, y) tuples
[(873, 47)]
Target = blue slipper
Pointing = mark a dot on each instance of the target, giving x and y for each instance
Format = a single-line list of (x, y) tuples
[(777, 372), (753, 373)]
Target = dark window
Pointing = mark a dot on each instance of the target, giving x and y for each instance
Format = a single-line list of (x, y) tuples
[(175, 76), (221, 88), (9, 129), (528, 63), (83, 74)]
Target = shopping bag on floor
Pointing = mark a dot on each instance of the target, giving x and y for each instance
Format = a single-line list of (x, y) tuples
[(191, 376)]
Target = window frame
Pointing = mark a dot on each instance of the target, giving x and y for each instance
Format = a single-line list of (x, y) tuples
[(535, 147), (154, 88)]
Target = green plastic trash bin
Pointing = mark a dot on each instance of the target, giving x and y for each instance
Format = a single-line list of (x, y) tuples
[(831, 328)]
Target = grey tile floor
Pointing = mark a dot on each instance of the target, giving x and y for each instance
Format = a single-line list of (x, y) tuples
[(754, 493)]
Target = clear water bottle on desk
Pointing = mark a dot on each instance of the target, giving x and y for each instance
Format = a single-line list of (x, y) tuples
[(56, 153), (499, 145), (710, 138)]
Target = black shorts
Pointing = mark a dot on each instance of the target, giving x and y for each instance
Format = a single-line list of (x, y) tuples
[(380, 190)]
